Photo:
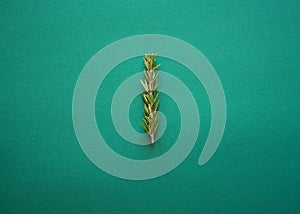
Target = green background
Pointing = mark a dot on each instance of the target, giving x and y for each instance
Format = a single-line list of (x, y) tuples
[(253, 46)]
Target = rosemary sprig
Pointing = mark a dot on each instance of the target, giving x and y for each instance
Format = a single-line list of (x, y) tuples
[(150, 96)]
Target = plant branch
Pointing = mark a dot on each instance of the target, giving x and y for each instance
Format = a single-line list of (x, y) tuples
[(150, 96)]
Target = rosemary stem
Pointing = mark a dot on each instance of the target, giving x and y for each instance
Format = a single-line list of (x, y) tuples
[(152, 138), (151, 117)]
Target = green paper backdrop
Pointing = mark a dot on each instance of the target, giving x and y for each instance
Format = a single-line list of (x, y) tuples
[(254, 48)]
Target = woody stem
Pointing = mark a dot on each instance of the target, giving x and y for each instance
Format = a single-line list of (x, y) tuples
[(150, 109)]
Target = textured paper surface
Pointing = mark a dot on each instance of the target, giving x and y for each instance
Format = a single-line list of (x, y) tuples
[(254, 48)]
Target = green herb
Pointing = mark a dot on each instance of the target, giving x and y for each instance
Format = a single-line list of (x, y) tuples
[(150, 96)]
